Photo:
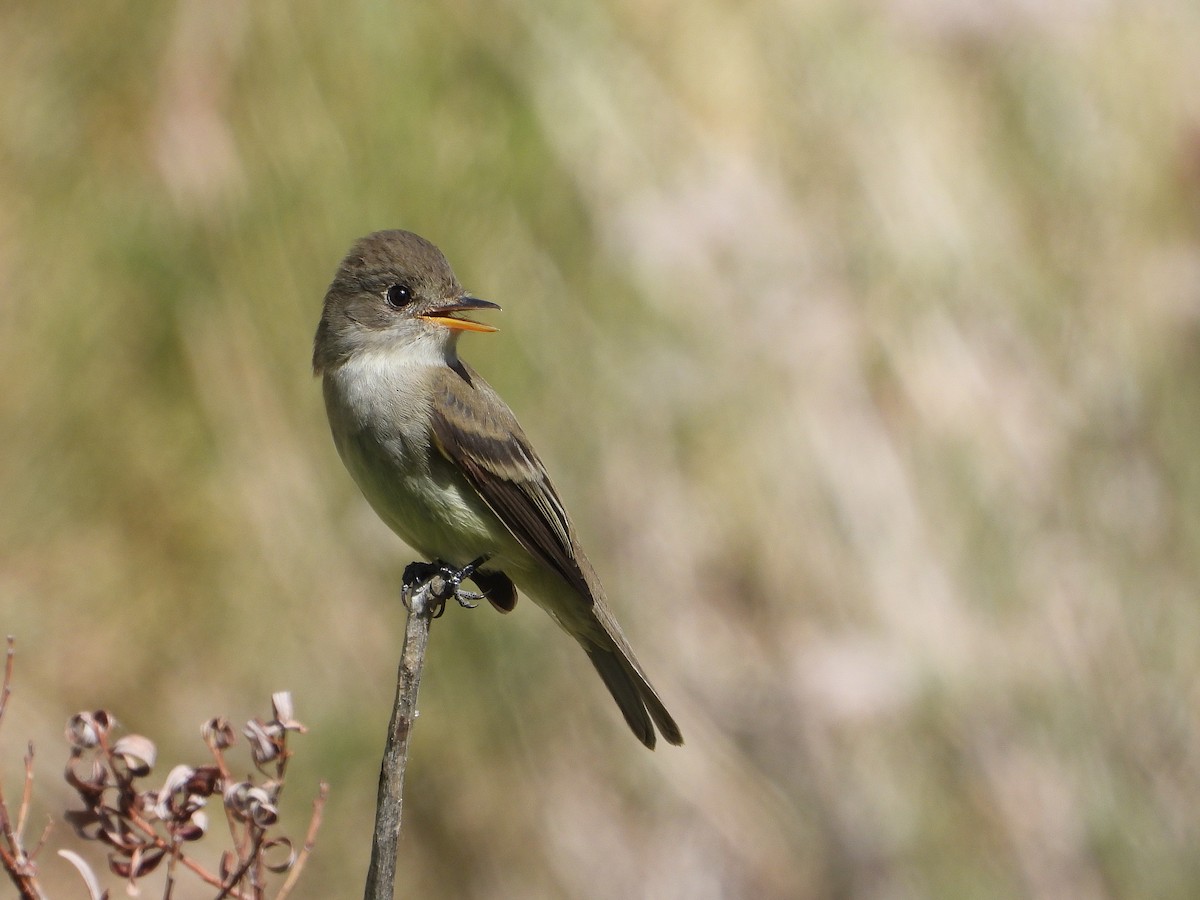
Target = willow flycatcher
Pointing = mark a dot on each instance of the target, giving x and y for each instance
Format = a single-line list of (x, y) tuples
[(441, 458)]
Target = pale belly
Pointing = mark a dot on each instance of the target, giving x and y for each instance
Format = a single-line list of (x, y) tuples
[(433, 509), (415, 491)]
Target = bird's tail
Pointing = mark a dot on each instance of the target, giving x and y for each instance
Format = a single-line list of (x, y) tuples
[(639, 703)]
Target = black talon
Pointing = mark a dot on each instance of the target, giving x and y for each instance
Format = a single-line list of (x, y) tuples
[(458, 577), (416, 574), (421, 573), (455, 578)]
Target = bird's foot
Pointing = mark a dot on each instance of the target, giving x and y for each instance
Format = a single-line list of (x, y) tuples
[(444, 581)]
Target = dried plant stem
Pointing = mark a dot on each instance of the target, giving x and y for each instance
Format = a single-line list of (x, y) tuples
[(6, 687), (14, 858), (381, 876), (310, 840)]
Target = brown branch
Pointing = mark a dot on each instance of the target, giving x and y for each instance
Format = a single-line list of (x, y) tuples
[(170, 848), (310, 840), (13, 857), (6, 690), (230, 888), (26, 794), (422, 607)]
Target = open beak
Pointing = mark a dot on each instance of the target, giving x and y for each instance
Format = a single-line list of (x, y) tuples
[(444, 315)]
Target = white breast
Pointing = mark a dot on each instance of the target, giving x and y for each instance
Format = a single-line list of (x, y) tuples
[(378, 409)]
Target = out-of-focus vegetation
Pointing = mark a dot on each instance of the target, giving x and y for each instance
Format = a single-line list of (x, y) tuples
[(861, 340)]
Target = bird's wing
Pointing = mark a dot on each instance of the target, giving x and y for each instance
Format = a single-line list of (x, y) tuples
[(477, 432)]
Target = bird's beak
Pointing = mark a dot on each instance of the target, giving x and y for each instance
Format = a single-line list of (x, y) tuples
[(443, 315)]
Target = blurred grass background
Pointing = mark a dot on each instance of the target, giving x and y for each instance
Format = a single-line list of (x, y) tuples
[(861, 340)]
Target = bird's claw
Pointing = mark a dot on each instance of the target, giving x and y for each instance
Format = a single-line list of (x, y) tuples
[(444, 582)]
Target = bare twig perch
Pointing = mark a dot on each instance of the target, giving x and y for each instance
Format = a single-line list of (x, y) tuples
[(426, 598)]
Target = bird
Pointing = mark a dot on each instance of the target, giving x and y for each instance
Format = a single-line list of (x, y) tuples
[(442, 460)]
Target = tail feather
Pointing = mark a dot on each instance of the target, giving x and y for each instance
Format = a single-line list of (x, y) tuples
[(639, 704)]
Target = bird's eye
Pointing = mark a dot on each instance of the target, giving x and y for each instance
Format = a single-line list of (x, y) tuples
[(398, 296)]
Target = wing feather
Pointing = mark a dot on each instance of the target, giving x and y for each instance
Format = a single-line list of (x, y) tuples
[(474, 429)]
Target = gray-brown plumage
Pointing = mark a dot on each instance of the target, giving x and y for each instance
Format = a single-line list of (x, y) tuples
[(443, 461)]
